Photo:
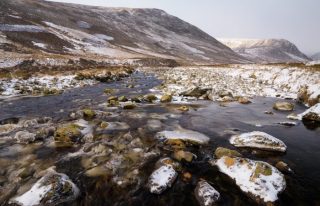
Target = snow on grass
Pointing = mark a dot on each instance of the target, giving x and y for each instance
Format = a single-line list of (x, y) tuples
[(256, 178), (260, 140)]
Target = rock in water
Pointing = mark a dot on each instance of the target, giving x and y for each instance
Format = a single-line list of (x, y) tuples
[(194, 92), (52, 189), (25, 137), (221, 151), (184, 135), (283, 106), (259, 140), (311, 114), (161, 179), (166, 98), (259, 180), (206, 194)]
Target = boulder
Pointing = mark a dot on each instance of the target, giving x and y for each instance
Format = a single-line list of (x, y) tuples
[(311, 114), (68, 133), (183, 155), (221, 151), (259, 180), (122, 99), (244, 100), (52, 189), (88, 113), (258, 140), (166, 98), (184, 135), (127, 105), (206, 194), (283, 106), (194, 92), (283, 167), (161, 179), (149, 98)]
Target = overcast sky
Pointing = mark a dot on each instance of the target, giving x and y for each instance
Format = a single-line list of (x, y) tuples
[(295, 20)]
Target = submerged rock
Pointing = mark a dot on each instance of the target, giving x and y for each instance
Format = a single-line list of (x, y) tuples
[(259, 140), (161, 179), (283, 106), (184, 135), (283, 167), (24, 137), (206, 194), (221, 151), (183, 108), (183, 155), (52, 189), (259, 180)]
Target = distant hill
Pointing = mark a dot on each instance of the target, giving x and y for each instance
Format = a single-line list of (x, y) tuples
[(266, 50)]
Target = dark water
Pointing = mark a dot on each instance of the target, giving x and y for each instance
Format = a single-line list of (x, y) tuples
[(303, 153)]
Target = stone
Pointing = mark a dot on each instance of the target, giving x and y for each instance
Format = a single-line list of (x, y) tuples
[(283, 106), (166, 98), (244, 100), (186, 176), (122, 99), (127, 105), (108, 91), (161, 179), (221, 151), (25, 137), (311, 114), (283, 167), (88, 113), (68, 133), (150, 98), (188, 136), (206, 194), (183, 155), (194, 92), (183, 108), (258, 140), (52, 189), (259, 180), (112, 98), (175, 143)]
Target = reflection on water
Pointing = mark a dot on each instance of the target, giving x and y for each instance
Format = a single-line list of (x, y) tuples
[(219, 123)]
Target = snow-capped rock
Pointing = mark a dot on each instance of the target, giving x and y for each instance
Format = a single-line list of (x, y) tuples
[(52, 189), (259, 180), (266, 50), (259, 140), (311, 114), (184, 135), (206, 194), (161, 179)]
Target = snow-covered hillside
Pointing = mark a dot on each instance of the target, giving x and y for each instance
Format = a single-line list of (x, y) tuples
[(316, 56), (266, 50), (70, 29)]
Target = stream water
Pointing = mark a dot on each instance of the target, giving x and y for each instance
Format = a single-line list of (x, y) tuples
[(207, 117)]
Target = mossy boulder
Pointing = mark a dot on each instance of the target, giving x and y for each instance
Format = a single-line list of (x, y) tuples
[(166, 98), (88, 113), (68, 133), (122, 99), (150, 97), (221, 151)]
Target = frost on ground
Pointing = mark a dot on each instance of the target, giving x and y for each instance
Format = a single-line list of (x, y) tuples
[(244, 80), (258, 179)]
